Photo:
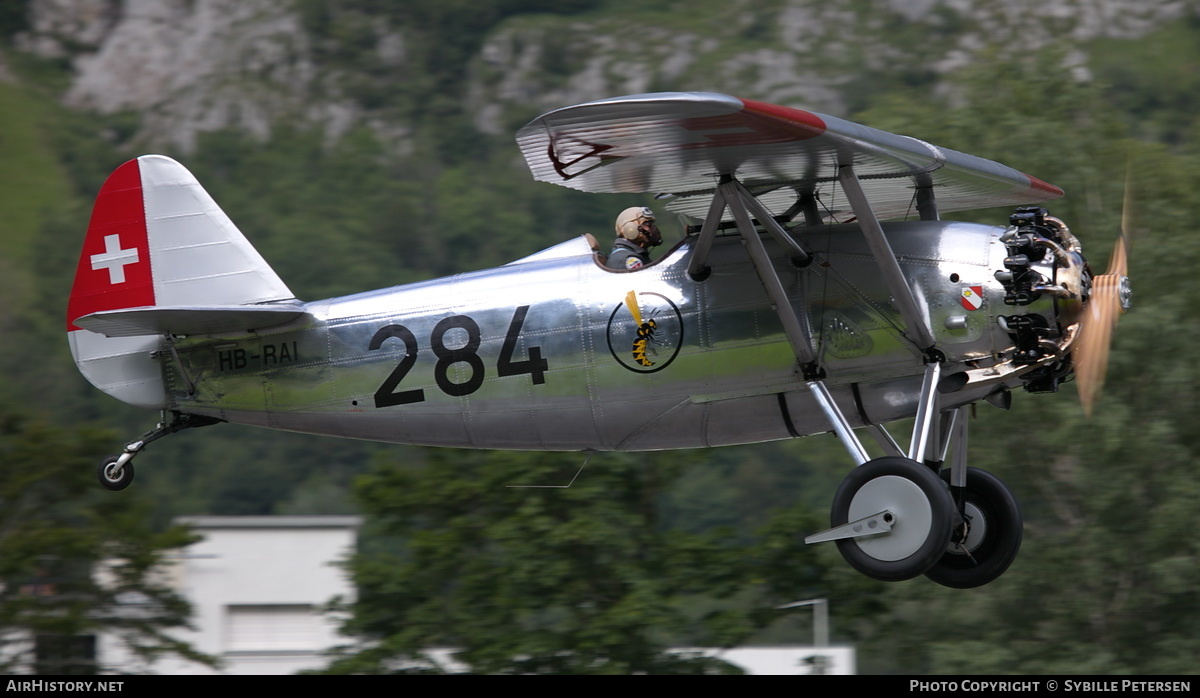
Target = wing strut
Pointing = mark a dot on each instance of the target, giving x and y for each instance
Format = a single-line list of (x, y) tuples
[(741, 203), (926, 204), (698, 268), (795, 252), (731, 194), (795, 325), (927, 425), (906, 303)]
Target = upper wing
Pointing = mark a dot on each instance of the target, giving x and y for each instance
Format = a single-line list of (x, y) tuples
[(681, 143)]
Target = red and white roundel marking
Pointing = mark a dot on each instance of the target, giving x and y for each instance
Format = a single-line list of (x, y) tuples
[(972, 297)]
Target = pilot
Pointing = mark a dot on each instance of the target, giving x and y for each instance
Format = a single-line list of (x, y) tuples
[(636, 234)]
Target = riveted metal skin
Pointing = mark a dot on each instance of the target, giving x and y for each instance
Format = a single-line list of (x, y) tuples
[(705, 364)]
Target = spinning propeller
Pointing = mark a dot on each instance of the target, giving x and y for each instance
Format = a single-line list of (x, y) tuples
[(1110, 297)]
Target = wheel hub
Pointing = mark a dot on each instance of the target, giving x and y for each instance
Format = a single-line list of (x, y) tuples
[(910, 506), (974, 530)]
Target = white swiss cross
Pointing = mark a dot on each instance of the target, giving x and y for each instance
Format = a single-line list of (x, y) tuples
[(114, 259)]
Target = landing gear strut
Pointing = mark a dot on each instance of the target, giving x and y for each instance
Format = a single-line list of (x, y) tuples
[(893, 518), (116, 472)]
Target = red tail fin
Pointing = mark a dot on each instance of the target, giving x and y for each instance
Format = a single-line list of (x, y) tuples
[(114, 267)]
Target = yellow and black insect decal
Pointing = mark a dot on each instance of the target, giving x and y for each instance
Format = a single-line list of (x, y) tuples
[(645, 332), (643, 344)]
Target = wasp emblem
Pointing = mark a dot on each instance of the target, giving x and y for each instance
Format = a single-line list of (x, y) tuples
[(651, 326)]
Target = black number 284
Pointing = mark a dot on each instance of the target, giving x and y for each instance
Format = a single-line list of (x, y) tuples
[(387, 396)]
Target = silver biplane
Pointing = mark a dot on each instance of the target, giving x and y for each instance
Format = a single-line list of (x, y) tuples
[(789, 309)]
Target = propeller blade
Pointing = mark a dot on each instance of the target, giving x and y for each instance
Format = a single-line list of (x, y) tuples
[(1109, 299), (1118, 262)]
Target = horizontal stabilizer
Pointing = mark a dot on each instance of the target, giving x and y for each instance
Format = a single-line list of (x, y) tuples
[(199, 320)]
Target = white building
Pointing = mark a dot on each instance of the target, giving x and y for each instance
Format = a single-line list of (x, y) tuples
[(791, 661), (258, 586)]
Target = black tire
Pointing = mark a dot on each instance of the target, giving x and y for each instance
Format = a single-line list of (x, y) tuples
[(922, 509), (995, 533), (112, 479)]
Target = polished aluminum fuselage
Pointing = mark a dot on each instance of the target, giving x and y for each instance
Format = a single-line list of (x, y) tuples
[(550, 352)]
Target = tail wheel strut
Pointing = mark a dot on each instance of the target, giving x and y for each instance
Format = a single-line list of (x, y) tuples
[(116, 472)]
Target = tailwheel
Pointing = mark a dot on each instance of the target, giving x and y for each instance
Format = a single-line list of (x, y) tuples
[(989, 537), (115, 472), (906, 501)]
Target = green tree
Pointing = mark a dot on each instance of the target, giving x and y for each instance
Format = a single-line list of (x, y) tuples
[(77, 562), (585, 579)]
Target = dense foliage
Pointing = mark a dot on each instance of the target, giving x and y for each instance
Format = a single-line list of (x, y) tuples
[(75, 563), (582, 579), (673, 549)]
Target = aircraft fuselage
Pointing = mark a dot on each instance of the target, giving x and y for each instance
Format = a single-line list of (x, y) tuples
[(546, 353)]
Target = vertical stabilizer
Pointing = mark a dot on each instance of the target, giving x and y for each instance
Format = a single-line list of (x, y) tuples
[(156, 238)]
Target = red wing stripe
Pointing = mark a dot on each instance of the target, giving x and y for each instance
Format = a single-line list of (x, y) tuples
[(809, 124)]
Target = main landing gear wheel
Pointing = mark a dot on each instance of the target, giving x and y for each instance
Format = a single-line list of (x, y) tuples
[(990, 538), (113, 475), (921, 516)]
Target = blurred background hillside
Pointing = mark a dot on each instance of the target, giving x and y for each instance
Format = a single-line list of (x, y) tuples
[(366, 143)]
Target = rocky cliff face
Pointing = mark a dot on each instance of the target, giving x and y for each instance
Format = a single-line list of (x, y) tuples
[(189, 66), (809, 52)]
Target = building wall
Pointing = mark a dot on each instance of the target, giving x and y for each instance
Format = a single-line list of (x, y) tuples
[(258, 586)]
